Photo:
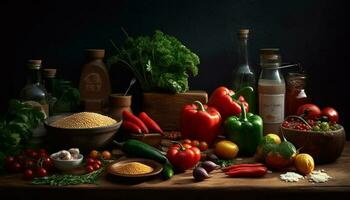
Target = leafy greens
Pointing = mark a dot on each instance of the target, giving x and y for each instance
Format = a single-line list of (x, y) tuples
[(160, 62)]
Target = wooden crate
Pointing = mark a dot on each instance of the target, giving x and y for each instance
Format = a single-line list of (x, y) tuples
[(165, 109)]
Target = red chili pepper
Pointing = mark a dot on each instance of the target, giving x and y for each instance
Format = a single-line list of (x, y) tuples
[(231, 167), (150, 123), (128, 116), (200, 122), (129, 126), (247, 172), (227, 102)]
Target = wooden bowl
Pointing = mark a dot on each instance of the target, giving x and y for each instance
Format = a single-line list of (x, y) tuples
[(324, 147), (153, 139), (85, 139), (131, 178)]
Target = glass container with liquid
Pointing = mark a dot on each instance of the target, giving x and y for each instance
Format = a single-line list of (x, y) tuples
[(243, 75), (272, 89)]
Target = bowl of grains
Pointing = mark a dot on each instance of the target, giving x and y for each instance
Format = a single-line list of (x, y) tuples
[(85, 130), (134, 169)]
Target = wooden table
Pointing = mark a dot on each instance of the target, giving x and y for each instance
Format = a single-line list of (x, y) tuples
[(182, 186)]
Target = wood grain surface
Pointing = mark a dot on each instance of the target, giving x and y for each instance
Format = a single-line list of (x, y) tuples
[(182, 186)]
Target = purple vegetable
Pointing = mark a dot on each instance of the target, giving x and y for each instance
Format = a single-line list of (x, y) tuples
[(200, 174), (212, 157), (209, 166)]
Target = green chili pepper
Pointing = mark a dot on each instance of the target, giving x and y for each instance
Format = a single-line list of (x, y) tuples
[(246, 131)]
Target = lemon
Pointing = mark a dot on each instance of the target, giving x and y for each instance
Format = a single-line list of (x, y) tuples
[(226, 149), (275, 137), (304, 163)]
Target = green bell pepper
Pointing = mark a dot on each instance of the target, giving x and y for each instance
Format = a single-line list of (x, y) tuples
[(246, 131)]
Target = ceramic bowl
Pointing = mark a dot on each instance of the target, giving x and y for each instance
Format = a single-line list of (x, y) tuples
[(324, 147), (85, 139), (66, 165)]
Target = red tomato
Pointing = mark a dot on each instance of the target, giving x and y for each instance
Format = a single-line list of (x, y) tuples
[(16, 167), (187, 146), (21, 159), (195, 143), (309, 111), (41, 172), (90, 161), (42, 151), (89, 168), (48, 163), (28, 174), (331, 114), (98, 162), (106, 155), (203, 146), (187, 141), (94, 154), (97, 166), (8, 162), (183, 158)]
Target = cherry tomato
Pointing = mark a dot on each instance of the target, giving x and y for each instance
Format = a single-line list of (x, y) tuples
[(48, 163), (28, 152), (89, 168), (309, 111), (16, 167), (187, 141), (8, 162), (42, 155), (41, 172), (331, 114), (42, 151), (34, 155), (203, 146), (98, 162), (21, 159), (195, 143), (90, 161), (106, 155), (28, 174), (96, 166), (94, 154), (30, 164), (187, 146)]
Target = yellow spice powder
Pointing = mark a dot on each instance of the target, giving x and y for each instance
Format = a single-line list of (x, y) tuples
[(133, 168), (83, 120)]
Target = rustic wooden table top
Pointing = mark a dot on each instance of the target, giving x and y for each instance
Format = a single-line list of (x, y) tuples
[(182, 186)]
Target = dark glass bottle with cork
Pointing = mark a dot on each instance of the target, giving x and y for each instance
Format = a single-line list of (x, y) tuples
[(94, 84), (34, 92), (243, 75)]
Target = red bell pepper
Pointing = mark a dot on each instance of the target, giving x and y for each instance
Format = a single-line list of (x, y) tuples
[(183, 158), (200, 122), (227, 102)]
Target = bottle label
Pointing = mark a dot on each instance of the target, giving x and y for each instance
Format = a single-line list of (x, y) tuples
[(271, 107)]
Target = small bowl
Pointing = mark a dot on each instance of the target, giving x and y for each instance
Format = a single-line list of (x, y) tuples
[(133, 178), (153, 139), (324, 147), (85, 139), (66, 165)]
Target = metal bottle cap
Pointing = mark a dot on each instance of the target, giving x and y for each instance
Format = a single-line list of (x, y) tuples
[(270, 57), (243, 33), (34, 64)]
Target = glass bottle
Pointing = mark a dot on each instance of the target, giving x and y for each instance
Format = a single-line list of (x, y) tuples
[(295, 92), (243, 75), (34, 90), (271, 88), (49, 83)]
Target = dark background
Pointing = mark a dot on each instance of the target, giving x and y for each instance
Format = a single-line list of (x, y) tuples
[(311, 32)]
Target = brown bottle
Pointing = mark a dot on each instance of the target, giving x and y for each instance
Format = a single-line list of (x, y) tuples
[(94, 86)]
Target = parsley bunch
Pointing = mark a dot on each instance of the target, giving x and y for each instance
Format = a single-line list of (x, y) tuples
[(160, 63)]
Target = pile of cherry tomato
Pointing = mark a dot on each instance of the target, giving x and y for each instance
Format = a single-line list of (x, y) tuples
[(202, 146), (31, 163), (93, 162)]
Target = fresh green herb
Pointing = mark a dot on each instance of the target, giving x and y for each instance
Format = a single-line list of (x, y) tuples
[(67, 179), (225, 163), (160, 62), (16, 127)]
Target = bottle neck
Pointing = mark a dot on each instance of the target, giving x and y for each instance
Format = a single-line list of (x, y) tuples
[(34, 76), (243, 52)]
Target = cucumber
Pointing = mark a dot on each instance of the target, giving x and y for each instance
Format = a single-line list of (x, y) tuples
[(136, 148), (167, 172)]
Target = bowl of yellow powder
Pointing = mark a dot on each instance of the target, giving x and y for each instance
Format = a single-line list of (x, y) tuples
[(134, 169), (84, 130)]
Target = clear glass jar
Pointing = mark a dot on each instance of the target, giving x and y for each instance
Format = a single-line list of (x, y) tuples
[(295, 92), (271, 88)]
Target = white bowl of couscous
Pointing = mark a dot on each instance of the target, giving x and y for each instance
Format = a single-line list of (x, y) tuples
[(85, 130)]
